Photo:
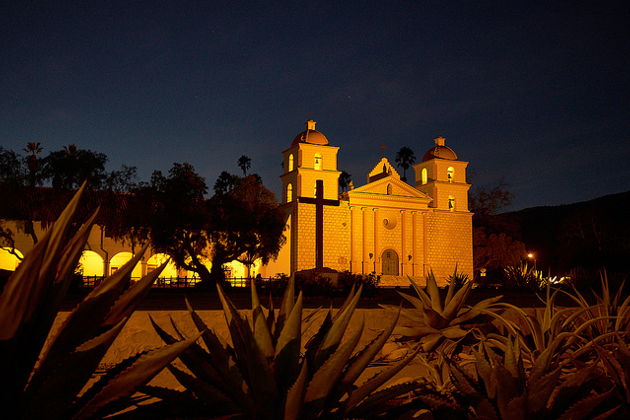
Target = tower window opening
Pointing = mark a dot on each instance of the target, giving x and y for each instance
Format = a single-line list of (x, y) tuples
[(318, 162), (289, 193), (451, 202), (389, 189), (424, 176), (290, 162), (450, 173)]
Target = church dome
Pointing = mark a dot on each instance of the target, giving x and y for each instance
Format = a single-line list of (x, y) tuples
[(440, 151), (310, 135)]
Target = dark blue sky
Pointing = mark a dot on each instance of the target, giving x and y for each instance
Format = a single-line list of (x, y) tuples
[(536, 93)]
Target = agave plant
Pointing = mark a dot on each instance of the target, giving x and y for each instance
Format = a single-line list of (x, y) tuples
[(610, 314), (501, 388), (561, 333), (56, 381), (264, 374), (440, 323)]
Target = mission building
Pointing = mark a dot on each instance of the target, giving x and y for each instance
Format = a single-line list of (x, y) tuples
[(386, 226)]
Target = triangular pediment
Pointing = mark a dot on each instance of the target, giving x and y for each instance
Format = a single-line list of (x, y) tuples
[(382, 169), (389, 186)]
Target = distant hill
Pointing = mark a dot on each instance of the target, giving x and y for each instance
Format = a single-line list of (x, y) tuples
[(589, 234)]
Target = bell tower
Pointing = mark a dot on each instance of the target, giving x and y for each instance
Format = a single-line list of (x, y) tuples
[(443, 177), (309, 159), (310, 183)]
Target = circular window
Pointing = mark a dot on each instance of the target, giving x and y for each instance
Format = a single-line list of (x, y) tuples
[(389, 223)]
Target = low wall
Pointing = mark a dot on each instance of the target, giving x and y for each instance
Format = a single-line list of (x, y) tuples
[(138, 335)]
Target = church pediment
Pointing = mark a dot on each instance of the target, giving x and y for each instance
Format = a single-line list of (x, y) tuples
[(382, 170), (389, 186)]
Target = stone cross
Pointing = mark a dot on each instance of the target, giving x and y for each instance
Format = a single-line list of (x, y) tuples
[(319, 202)]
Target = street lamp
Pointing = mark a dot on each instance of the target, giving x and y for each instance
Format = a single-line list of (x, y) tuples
[(532, 257)]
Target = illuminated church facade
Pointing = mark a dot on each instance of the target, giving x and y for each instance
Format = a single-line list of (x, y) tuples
[(386, 226)]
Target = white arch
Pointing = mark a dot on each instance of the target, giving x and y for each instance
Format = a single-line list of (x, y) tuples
[(91, 264), (8, 261), (119, 259)]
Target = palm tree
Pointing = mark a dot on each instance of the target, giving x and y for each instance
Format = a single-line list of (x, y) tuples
[(244, 163), (404, 159), (32, 160), (344, 181)]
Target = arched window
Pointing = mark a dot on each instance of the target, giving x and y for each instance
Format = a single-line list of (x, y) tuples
[(289, 193), (91, 264), (389, 189), (451, 202), (317, 164), (425, 176), (290, 162), (450, 173)]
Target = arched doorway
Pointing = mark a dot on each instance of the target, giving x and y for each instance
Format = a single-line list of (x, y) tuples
[(91, 264), (9, 258), (389, 261), (119, 260)]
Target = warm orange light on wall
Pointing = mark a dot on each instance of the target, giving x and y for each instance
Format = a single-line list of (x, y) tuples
[(9, 261), (91, 264)]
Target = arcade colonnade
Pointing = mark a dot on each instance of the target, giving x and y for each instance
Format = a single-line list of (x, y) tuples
[(104, 255)]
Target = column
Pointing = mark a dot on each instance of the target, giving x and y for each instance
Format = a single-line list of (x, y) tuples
[(352, 240), (403, 251), (376, 248), (364, 263)]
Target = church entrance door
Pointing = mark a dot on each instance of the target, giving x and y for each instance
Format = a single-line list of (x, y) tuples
[(390, 262)]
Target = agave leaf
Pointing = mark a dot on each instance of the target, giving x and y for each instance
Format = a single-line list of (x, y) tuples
[(381, 378), (255, 367), (262, 334), (462, 382), (326, 377), (457, 302), (335, 333), (417, 303), (130, 298), (203, 390), (426, 300), (140, 372), (376, 403), (211, 340), (26, 288), (61, 382), (538, 393), (450, 292), (476, 310), (516, 408), (454, 332), (295, 395), (584, 407), (415, 332), (434, 293), (314, 343), (88, 317), (288, 299), (430, 342), (287, 353), (434, 319), (485, 372), (360, 361)]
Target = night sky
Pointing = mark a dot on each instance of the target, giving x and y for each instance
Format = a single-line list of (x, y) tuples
[(534, 93)]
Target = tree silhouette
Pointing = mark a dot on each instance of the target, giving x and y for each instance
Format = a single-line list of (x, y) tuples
[(244, 162), (404, 159), (344, 181)]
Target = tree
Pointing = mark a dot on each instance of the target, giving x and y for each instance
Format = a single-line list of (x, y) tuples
[(248, 224), (244, 163), (344, 181), (69, 167), (494, 242), (404, 159), (242, 221)]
